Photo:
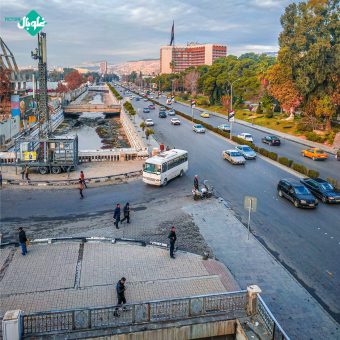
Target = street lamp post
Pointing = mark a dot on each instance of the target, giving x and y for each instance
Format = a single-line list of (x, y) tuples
[(231, 102)]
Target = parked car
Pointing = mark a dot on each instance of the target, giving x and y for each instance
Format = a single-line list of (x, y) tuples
[(233, 156), (246, 136), (171, 112), (162, 114), (146, 110), (198, 128), (151, 107), (205, 115), (246, 151), (314, 154), (224, 127), (271, 140), (321, 189), (297, 193), (149, 122), (175, 121)]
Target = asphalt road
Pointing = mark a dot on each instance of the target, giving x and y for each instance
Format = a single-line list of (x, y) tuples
[(289, 149), (307, 242)]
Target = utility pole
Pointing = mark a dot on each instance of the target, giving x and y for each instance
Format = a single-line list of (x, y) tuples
[(231, 84), (40, 54)]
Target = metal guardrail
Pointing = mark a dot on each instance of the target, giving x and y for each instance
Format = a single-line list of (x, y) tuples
[(269, 321), (231, 304)]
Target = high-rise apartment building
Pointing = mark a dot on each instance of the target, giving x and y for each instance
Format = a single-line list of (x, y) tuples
[(103, 67), (179, 58)]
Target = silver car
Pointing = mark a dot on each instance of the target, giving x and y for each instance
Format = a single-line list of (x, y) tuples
[(233, 156), (246, 151), (198, 128)]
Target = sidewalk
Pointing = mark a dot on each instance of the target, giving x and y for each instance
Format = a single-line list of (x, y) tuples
[(331, 150), (72, 275), (91, 170), (296, 310)]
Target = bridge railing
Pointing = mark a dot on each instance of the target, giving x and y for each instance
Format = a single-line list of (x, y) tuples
[(271, 324), (232, 305)]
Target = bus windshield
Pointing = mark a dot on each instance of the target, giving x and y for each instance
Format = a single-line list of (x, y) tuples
[(152, 168)]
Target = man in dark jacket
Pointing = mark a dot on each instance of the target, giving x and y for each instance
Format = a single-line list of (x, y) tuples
[(196, 182), (116, 215), (22, 241), (172, 236), (126, 212), (120, 289)]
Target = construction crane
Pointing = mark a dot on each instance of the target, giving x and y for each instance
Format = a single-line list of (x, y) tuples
[(40, 54)]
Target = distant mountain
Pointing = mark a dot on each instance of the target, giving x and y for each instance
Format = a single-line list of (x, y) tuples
[(147, 67)]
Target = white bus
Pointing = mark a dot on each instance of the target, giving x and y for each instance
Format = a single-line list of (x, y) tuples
[(160, 169)]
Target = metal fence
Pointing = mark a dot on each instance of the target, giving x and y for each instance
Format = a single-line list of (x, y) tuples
[(232, 305), (273, 327)]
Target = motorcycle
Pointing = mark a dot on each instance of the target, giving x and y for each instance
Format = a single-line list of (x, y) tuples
[(206, 191)]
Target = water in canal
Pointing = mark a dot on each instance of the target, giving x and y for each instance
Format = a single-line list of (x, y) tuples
[(93, 129)]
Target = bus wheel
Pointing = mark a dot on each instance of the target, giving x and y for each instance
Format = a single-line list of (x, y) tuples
[(56, 170), (43, 170), (165, 182)]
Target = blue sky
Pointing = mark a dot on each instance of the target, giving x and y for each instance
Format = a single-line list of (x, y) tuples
[(81, 32)]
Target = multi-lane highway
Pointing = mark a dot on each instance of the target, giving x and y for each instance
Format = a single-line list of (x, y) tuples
[(289, 149), (307, 242)]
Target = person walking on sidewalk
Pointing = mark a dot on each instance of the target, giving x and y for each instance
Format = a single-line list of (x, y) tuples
[(126, 212), (172, 236), (82, 176), (26, 173), (116, 215), (120, 289), (22, 241), (81, 188), (196, 186)]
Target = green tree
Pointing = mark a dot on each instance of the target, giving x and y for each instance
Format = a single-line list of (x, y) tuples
[(309, 46)]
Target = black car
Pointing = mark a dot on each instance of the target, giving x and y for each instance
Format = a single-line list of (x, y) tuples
[(321, 189), (271, 140), (162, 114), (296, 193)]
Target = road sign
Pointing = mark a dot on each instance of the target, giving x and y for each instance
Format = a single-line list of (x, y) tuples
[(250, 203)]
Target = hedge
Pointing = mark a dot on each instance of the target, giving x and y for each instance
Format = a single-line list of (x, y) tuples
[(272, 155), (334, 182), (300, 168), (285, 161), (115, 92)]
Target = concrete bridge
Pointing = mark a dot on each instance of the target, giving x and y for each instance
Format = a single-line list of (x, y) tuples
[(98, 88), (77, 109)]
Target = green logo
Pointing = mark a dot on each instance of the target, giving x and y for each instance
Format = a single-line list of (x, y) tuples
[(33, 23)]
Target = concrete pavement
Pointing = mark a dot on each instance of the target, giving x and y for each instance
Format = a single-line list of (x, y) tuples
[(73, 275), (296, 310)]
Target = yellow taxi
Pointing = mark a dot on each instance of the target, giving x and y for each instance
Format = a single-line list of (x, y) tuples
[(315, 154), (205, 115)]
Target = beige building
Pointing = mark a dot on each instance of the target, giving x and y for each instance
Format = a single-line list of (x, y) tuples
[(179, 58), (103, 67)]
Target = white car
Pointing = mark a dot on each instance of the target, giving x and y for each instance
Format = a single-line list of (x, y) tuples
[(175, 121), (149, 122), (246, 136), (233, 156), (198, 128), (146, 99), (171, 112)]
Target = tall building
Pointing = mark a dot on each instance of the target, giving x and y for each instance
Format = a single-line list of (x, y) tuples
[(103, 67), (179, 58)]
